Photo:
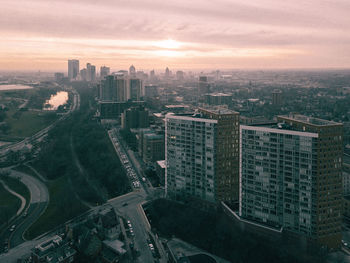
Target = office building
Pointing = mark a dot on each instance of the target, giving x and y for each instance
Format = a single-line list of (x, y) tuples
[(104, 71), (218, 99), (152, 147), (108, 89), (202, 155), (167, 73), (135, 89), (132, 71), (122, 86), (59, 77), (83, 74), (179, 75), (73, 69), (135, 117), (151, 91), (291, 177), (203, 86), (90, 72)]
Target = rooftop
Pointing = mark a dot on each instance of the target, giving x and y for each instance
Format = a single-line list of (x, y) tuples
[(162, 164), (218, 110), (219, 94), (309, 120)]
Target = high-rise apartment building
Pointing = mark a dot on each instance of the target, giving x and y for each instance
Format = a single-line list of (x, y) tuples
[(73, 68), (291, 177), (202, 155), (203, 86)]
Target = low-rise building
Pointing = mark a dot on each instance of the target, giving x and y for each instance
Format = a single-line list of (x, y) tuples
[(53, 250)]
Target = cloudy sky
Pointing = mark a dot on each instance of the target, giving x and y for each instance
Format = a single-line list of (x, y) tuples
[(181, 34)]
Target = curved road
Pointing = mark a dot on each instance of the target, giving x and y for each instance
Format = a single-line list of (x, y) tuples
[(39, 198), (23, 200)]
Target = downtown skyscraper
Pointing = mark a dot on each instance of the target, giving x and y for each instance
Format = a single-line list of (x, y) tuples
[(73, 69)]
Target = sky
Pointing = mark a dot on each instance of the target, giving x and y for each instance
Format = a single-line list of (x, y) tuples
[(181, 34)]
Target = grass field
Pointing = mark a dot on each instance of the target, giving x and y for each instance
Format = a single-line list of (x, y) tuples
[(18, 187), (62, 207), (9, 204), (27, 123)]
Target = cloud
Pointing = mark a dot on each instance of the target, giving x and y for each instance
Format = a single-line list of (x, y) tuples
[(207, 28)]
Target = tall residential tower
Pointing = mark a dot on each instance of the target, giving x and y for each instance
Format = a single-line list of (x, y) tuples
[(202, 155), (291, 177)]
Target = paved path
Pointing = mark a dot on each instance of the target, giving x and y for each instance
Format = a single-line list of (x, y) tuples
[(23, 200)]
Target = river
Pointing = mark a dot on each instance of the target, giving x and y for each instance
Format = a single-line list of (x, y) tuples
[(60, 98)]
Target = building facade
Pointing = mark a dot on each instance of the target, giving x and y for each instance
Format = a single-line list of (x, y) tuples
[(135, 117), (202, 156), (73, 69), (290, 177)]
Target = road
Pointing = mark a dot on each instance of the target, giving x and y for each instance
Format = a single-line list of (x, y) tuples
[(39, 198), (133, 210)]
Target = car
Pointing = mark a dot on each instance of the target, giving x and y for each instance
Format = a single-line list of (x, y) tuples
[(143, 179), (151, 247), (125, 204), (129, 225)]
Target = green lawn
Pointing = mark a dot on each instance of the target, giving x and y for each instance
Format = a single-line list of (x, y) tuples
[(62, 207), (18, 187), (27, 123), (9, 204)]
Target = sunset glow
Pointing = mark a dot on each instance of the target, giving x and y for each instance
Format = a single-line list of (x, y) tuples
[(42, 35)]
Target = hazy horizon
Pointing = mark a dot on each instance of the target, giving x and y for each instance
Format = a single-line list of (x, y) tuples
[(197, 35)]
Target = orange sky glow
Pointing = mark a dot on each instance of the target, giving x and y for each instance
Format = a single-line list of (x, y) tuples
[(153, 34)]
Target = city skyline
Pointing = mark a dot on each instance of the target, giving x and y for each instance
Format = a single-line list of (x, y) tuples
[(181, 35)]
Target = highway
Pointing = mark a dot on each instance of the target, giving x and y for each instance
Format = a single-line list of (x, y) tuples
[(39, 198)]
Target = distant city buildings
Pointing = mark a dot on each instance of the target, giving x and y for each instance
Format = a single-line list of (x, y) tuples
[(135, 89), (73, 69), (179, 75), (104, 71), (151, 91), (218, 99), (291, 177), (132, 71), (59, 77), (277, 98), (202, 156), (203, 86)]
